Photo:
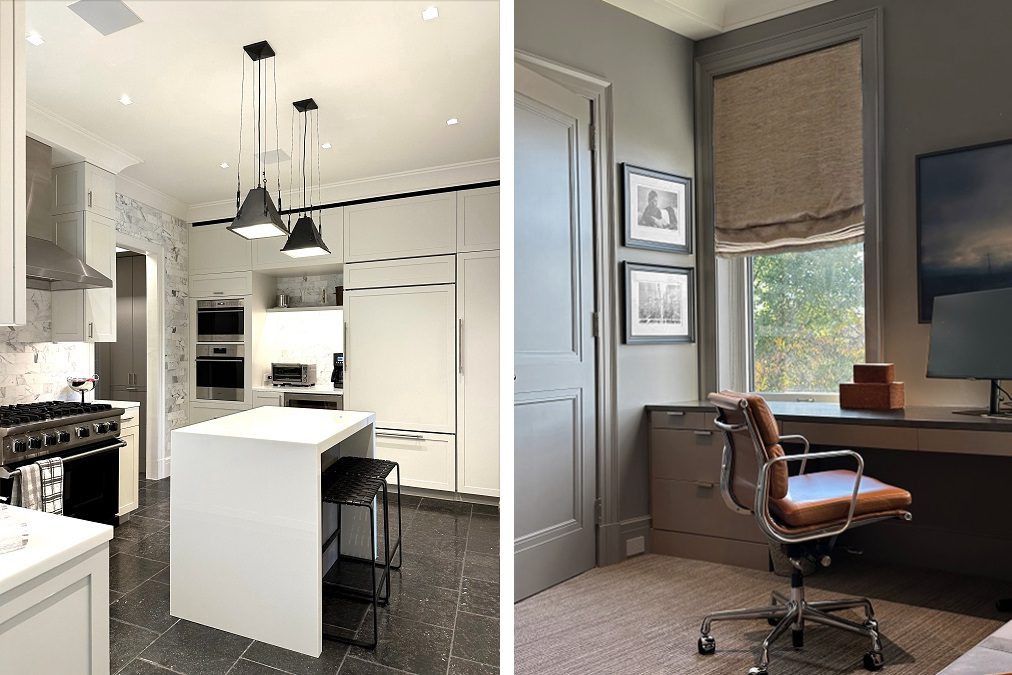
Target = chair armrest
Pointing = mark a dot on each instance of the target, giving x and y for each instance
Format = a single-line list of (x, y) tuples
[(762, 492), (804, 441)]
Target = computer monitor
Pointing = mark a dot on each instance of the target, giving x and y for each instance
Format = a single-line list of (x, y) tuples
[(970, 339)]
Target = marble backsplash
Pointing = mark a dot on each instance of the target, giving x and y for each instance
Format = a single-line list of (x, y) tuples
[(32, 368), (309, 289)]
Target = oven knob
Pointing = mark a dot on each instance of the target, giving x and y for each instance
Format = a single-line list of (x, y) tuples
[(114, 426), (101, 428), (19, 445), (51, 439), (83, 432), (64, 437), (35, 442)]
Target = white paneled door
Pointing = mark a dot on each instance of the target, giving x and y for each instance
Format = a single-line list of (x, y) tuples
[(554, 357)]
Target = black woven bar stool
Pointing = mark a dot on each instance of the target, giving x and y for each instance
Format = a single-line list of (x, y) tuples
[(359, 481)]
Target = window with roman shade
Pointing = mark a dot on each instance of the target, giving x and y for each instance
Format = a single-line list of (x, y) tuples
[(788, 154)]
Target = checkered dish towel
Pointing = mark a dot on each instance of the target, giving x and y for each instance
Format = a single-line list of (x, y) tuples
[(31, 487), (51, 471)]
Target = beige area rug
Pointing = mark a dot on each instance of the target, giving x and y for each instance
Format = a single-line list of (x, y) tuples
[(643, 616)]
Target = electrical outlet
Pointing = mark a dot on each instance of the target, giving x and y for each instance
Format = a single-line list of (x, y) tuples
[(635, 546)]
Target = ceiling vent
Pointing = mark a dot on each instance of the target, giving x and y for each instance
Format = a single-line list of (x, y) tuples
[(274, 157), (105, 16)]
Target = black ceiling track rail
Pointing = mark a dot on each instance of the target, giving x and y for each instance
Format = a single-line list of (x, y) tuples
[(369, 200)]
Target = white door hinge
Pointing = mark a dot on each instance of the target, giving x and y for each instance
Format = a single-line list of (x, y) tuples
[(595, 324), (598, 511), (592, 134)]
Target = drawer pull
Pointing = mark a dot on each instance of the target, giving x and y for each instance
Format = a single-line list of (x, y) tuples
[(676, 413), (704, 484), (412, 437), (703, 433)]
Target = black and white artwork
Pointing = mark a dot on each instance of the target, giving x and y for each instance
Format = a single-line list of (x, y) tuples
[(658, 212), (964, 222), (660, 304)]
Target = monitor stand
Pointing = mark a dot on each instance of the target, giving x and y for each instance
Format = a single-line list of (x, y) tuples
[(993, 408)]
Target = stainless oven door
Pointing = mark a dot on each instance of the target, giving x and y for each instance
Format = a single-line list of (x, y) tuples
[(221, 373), (220, 321), (90, 482)]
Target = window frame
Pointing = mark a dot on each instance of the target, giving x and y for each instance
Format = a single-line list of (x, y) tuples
[(723, 317)]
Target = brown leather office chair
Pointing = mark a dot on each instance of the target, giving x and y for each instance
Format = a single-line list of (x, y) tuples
[(799, 513)]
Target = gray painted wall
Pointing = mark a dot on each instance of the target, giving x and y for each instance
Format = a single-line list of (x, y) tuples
[(944, 70), (650, 69)]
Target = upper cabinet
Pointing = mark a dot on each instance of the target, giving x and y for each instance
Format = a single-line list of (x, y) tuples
[(84, 187), (401, 228), (12, 162), (267, 255), (87, 315), (213, 248), (478, 220)]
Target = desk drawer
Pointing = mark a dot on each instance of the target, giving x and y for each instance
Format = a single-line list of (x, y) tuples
[(961, 441), (661, 419), (683, 506), (691, 455), (854, 435)]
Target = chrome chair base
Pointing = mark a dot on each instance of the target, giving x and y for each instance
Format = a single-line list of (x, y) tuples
[(793, 612)]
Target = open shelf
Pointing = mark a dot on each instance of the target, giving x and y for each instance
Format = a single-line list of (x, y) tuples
[(306, 308)]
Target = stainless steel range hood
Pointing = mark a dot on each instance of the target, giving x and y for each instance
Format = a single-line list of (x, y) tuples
[(47, 265)]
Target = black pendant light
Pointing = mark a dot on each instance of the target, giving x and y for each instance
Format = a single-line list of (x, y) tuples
[(257, 217), (306, 240)]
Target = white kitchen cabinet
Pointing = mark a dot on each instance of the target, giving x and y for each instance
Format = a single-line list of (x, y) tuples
[(227, 285), (264, 398), (87, 315), (129, 460), (83, 187), (478, 373), (401, 228), (399, 356), (201, 412), (426, 460), (213, 248), (12, 163), (267, 255), (440, 269), (478, 219)]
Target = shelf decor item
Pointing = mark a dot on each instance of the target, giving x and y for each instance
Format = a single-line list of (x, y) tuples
[(306, 239), (659, 304), (256, 216), (873, 388), (658, 210), (963, 214)]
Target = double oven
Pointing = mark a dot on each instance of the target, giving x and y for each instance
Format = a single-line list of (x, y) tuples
[(221, 350)]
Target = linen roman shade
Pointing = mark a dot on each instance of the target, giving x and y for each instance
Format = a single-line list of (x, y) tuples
[(788, 154)]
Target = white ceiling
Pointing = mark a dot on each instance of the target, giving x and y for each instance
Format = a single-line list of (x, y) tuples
[(385, 80), (698, 19)]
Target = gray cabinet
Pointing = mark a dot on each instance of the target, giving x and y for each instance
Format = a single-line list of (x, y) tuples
[(127, 357)]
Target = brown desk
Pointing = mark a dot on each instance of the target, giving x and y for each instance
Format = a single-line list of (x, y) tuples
[(956, 466)]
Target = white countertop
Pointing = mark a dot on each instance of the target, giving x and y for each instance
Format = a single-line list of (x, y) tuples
[(322, 429), (52, 541), (118, 404), (325, 388)]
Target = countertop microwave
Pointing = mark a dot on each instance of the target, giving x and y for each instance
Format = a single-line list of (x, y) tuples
[(293, 374)]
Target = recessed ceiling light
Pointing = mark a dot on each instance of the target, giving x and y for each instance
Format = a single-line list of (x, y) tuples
[(453, 120), (126, 100), (326, 146), (224, 165), (34, 38), (430, 13)]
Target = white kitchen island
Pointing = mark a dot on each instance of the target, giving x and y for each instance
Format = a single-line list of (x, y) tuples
[(248, 522)]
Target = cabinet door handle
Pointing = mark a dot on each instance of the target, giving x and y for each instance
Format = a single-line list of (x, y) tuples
[(89, 199), (131, 388), (413, 437), (460, 350), (703, 484), (345, 341), (703, 433), (676, 413), (91, 329), (218, 293)]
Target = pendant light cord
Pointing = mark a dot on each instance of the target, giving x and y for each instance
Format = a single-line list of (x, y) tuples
[(277, 136), (305, 126), (242, 114), (319, 175), (291, 168)]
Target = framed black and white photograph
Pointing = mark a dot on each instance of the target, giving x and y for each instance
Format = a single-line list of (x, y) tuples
[(658, 210), (659, 304)]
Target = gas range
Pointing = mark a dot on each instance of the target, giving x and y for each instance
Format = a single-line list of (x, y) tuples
[(32, 431)]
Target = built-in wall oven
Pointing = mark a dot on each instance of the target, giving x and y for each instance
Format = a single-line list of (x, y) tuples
[(221, 320), (221, 372)]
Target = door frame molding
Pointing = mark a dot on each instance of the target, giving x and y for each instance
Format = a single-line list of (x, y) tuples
[(598, 91)]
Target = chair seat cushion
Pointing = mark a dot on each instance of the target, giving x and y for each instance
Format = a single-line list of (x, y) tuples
[(824, 497)]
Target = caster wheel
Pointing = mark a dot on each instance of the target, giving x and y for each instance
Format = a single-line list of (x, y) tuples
[(798, 638), (758, 670), (773, 622), (874, 661), (706, 645)]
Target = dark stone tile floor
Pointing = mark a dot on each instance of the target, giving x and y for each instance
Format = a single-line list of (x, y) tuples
[(442, 619)]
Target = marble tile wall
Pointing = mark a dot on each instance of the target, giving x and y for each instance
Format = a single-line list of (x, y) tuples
[(308, 289)]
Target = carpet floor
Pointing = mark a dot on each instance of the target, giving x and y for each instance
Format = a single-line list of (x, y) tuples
[(642, 617)]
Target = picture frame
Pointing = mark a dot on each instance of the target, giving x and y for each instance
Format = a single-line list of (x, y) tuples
[(962, 206), (657, 210), (660, 304)]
